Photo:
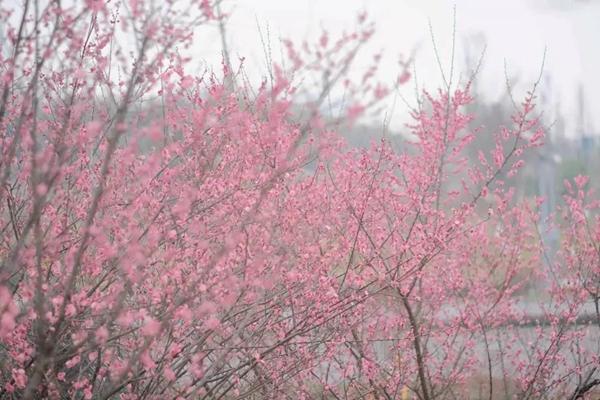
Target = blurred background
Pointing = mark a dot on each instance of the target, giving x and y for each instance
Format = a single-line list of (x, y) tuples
[(514, 33), (516, 38)]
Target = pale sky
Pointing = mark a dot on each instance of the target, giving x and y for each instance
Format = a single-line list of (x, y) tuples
[(514, 30)]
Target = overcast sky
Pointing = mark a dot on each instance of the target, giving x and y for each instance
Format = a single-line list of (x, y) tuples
[(513, 30)]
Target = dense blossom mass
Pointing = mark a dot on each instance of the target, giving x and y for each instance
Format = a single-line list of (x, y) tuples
[(166, 235)]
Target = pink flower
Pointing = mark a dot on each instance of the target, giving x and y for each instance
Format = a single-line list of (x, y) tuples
[(101, 335), (184, 313), (212, 323), (169, 374), (125, 319), (72, 362), (95, 5), (147, 361), (403, 78), (20, 378), (151, 327), (324, 39), (7, 324)]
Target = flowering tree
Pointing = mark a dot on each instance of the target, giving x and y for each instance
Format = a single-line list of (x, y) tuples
[(167, 235)]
